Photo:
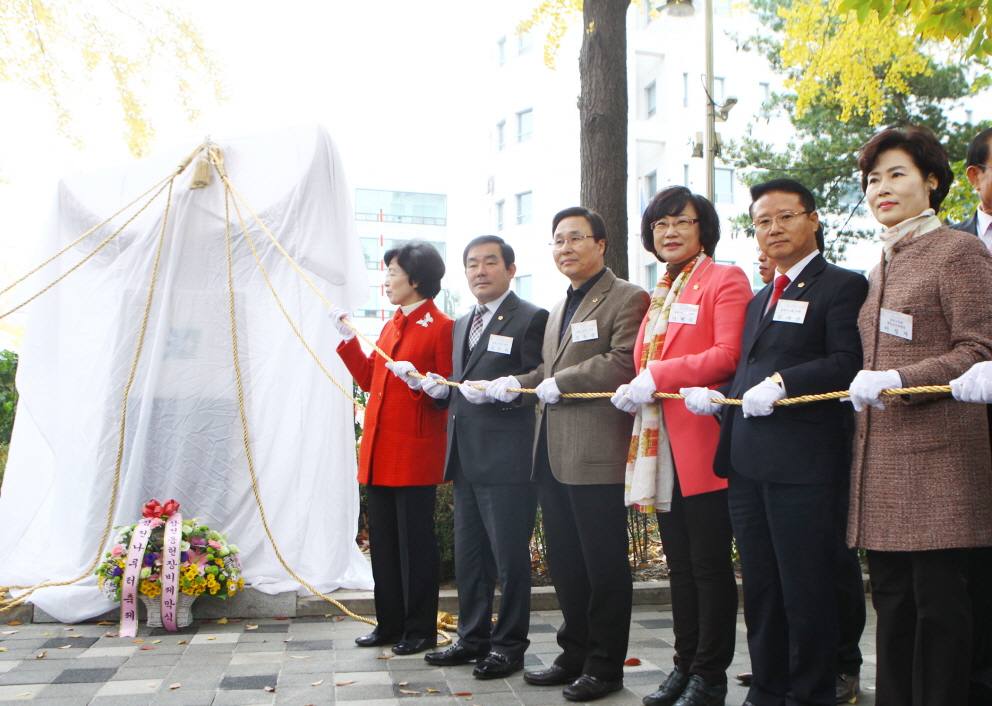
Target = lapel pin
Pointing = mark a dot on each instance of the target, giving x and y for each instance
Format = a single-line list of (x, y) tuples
[(595, 299), (801, 284), (500, 317)]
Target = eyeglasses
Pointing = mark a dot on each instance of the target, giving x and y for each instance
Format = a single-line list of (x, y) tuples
[(681, 225), (983, 167), (559, 243), (784, 219)]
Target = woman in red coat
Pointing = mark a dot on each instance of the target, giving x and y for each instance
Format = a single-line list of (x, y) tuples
[(691, 336), (401, 459)]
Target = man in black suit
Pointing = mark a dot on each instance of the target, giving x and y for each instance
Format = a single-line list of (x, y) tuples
[(787, 466), (489, 460), (979, 173)]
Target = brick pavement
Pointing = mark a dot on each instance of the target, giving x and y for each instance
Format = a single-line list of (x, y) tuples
[(304, 660)]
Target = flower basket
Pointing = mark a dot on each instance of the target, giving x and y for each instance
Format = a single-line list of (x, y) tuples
[(184, 610), (167, 559)]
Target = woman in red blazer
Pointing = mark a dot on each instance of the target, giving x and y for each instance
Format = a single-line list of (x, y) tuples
[(401, 459), (691, 333)]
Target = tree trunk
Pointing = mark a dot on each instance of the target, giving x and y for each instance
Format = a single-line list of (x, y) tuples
[(603, 118)]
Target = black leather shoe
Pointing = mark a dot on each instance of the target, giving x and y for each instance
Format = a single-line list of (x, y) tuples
[(374, 639), (453, 656), (497, 666), (412, 647), (699, 692), (847, 688), (669, 691), (587, 688), (552, 676), (745, 678)]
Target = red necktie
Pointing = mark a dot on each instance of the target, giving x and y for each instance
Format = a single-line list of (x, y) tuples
[(781, 282)]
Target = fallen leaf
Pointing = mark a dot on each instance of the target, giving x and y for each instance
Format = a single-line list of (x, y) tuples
[(463, 693), (150, 685), (270, 689), (235, 620), (15, 622), (211, 638), (404, 683), (155, 642), (68, 629), (181, 642), (9, 632), (408, 691), (26, 693), (385, 656), (317, 683), (343, 683), (300, 656), (42, 654), (3, 649), (251, 627), (63, 647), (208, 620), (46, 634), (147, 647), (110, 634), (222, 621), (288, 639), (339, 618), (138, 640), (175, 686), (71, 637), (432, 691), (106, 622), (632, 662), (280, 618)]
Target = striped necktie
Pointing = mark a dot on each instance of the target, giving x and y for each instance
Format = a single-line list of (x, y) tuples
[(475, 333)]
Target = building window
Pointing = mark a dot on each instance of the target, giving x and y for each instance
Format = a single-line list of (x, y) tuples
[(370, 249), (969, 116), (525, 125), (500, 135), (499, 214), (723, 185), (685, 175), (651, 98), (501, 50), (685, 90), (525, 207), (756, 281), (523, 287), (651, 272), (372, 309), (651, 184), (525, 42), (766, 97), (401, 207)]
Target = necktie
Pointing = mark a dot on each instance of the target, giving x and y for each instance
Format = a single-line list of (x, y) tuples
[(475, 333), (781, 282)]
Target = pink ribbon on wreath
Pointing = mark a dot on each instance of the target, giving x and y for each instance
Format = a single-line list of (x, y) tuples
[(132, 573), (170, 570)]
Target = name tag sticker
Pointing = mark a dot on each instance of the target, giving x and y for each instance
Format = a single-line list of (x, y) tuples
[(790, 311), (896, 323), (500, 344), (683, 314), (584, 331)]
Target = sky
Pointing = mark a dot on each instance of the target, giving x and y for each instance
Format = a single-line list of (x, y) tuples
[(402, 88)]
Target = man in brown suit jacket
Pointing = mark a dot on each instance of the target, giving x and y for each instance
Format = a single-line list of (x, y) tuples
[(580, 456)]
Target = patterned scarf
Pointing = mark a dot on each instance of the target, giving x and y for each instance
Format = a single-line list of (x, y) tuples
[(650, 466), (909, 228)]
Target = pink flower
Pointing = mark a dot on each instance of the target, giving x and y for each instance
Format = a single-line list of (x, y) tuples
[(156, 522), (118, 550), (198, 541), (214, 544), (198, 559)]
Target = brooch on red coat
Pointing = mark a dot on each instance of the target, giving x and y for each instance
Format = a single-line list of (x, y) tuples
[(426, 320)]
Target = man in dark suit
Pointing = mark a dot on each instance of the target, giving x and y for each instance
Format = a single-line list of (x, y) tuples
[(489, 460), (979, 173), (787, 466)]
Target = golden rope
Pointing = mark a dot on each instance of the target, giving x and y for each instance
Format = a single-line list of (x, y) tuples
[(8, 603)]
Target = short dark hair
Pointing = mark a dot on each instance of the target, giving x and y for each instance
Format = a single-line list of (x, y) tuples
[(978, 150), (672, 201), (504, 247), (788, 186), (422, 263), (820, 245), (596, 221), (929, 156)]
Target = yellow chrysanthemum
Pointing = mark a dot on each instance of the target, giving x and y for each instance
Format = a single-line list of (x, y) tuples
[(150, 589)]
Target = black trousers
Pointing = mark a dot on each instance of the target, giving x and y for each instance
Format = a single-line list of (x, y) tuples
[(585, 527), (924, 635), (787, 541), (850, 585), (406, 561), (697, 538)]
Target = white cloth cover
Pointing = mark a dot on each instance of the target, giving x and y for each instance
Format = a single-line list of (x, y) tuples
[(184, 435)]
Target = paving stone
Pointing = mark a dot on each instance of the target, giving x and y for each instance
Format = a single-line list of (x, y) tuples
[(14, 692), (315, 695), (146, 673), (363, 665), (263, 629), (257, 658), (538, 628), (84, 676), (64, 701), (75, 643), (72, 690), (294, 680), (254, 697), (259, 647), (309, 666), (184, 697), (129, 687), (355, 692), (309, 645), (254, 681), (127, 700)]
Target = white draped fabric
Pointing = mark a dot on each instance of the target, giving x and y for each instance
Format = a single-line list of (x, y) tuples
[(183, 432)]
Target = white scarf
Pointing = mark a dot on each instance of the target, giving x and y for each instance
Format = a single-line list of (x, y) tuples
[(909, 228), (650, 474)]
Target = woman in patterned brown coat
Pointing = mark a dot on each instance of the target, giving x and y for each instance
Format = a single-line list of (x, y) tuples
[(921, 488)]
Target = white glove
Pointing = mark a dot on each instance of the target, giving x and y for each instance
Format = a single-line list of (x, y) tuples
[(621, 400), (697, 400), (975, 385), (642, 388), (400, 369), (337, 317), (433, 388), (867, 386), (475, 396), (548, 391), (758, 400), (498, 389)]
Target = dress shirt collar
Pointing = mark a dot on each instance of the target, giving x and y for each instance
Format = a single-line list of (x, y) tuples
[(984, 221), (797, 269), (492, 306), (587, 285), (410, 308)]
